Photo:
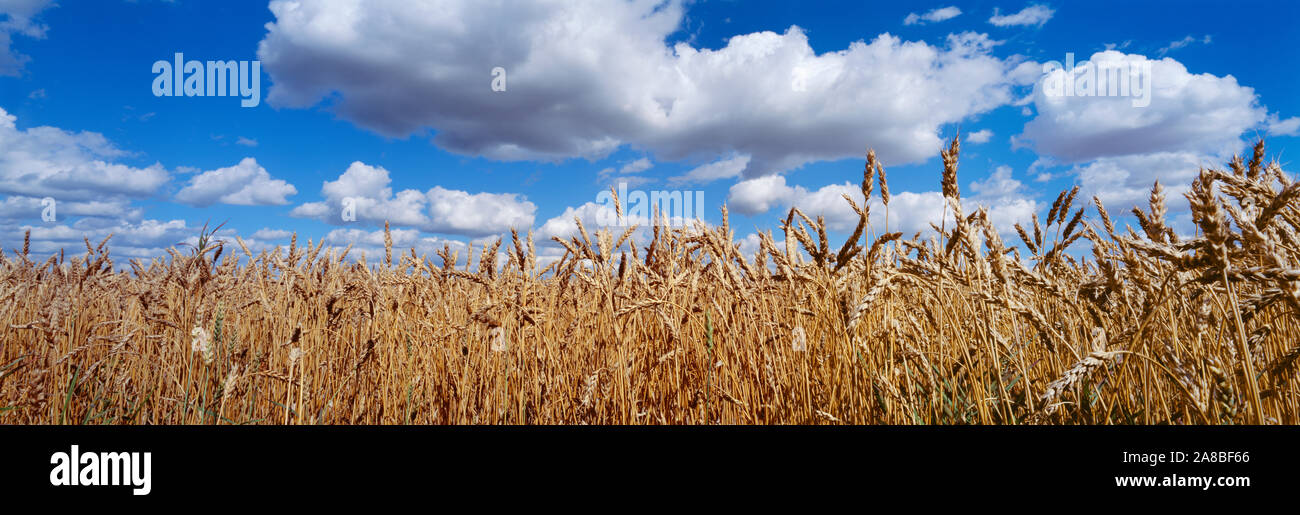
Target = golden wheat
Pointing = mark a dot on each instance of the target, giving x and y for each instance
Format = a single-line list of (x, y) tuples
[(1153, 327)]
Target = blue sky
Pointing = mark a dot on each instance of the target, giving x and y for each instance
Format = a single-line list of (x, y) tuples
[(356, 92)]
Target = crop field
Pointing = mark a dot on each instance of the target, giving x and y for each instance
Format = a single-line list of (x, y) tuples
[(1082, 321)]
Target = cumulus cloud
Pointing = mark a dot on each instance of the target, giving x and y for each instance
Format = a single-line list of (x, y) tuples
[(909, 211), (1007, 199), (980, 136), (30, 208), (638, 210), (1032, 15), (1187, 113), (70, 166), (18, 17), (460, 212), (759, 195), (767, 95), (371, 243), (366, 190), (245, 184), (932, 16), (1117, 150), (1125, 181), (563, 226), (143, 239)]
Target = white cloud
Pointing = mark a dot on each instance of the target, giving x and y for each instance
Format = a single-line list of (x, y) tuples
[(980, 136), (460, 212), (563, 226), (245, 184), (272, 234), (767, 95), (760, 195), (627, 173), (1187, 113), (1125, 181), (631, 181), (1033, 15), (1117, 150), (246, 142), (724, 168), (909, 211), (144, 239), (997, 185), (1287, 127), (371, 243), (1007, 199), (596, 216), (48, 161), (1187, 40), (18, 17), (638, 166), (311, 210), (20, 207), (749, 244), (437, 210), (933, 15)]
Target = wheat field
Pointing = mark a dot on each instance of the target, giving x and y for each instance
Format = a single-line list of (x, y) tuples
[(1094, 324)]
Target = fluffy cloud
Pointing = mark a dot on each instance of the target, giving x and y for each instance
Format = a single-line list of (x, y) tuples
[(980, 136), (997, 185), (909, 211), (1123, 182), (1187, 113), (1032, 15), (144, 239), (760, 195), (27, 208), (48, 161), (932, 16), (371, 243), (438, 210), (564, 227), (245, 184), (767, 95), (1006, 199), (1117, 150), (637, 211), (460, 212)]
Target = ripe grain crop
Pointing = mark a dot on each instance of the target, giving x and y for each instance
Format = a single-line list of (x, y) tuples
[(951, 327)]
